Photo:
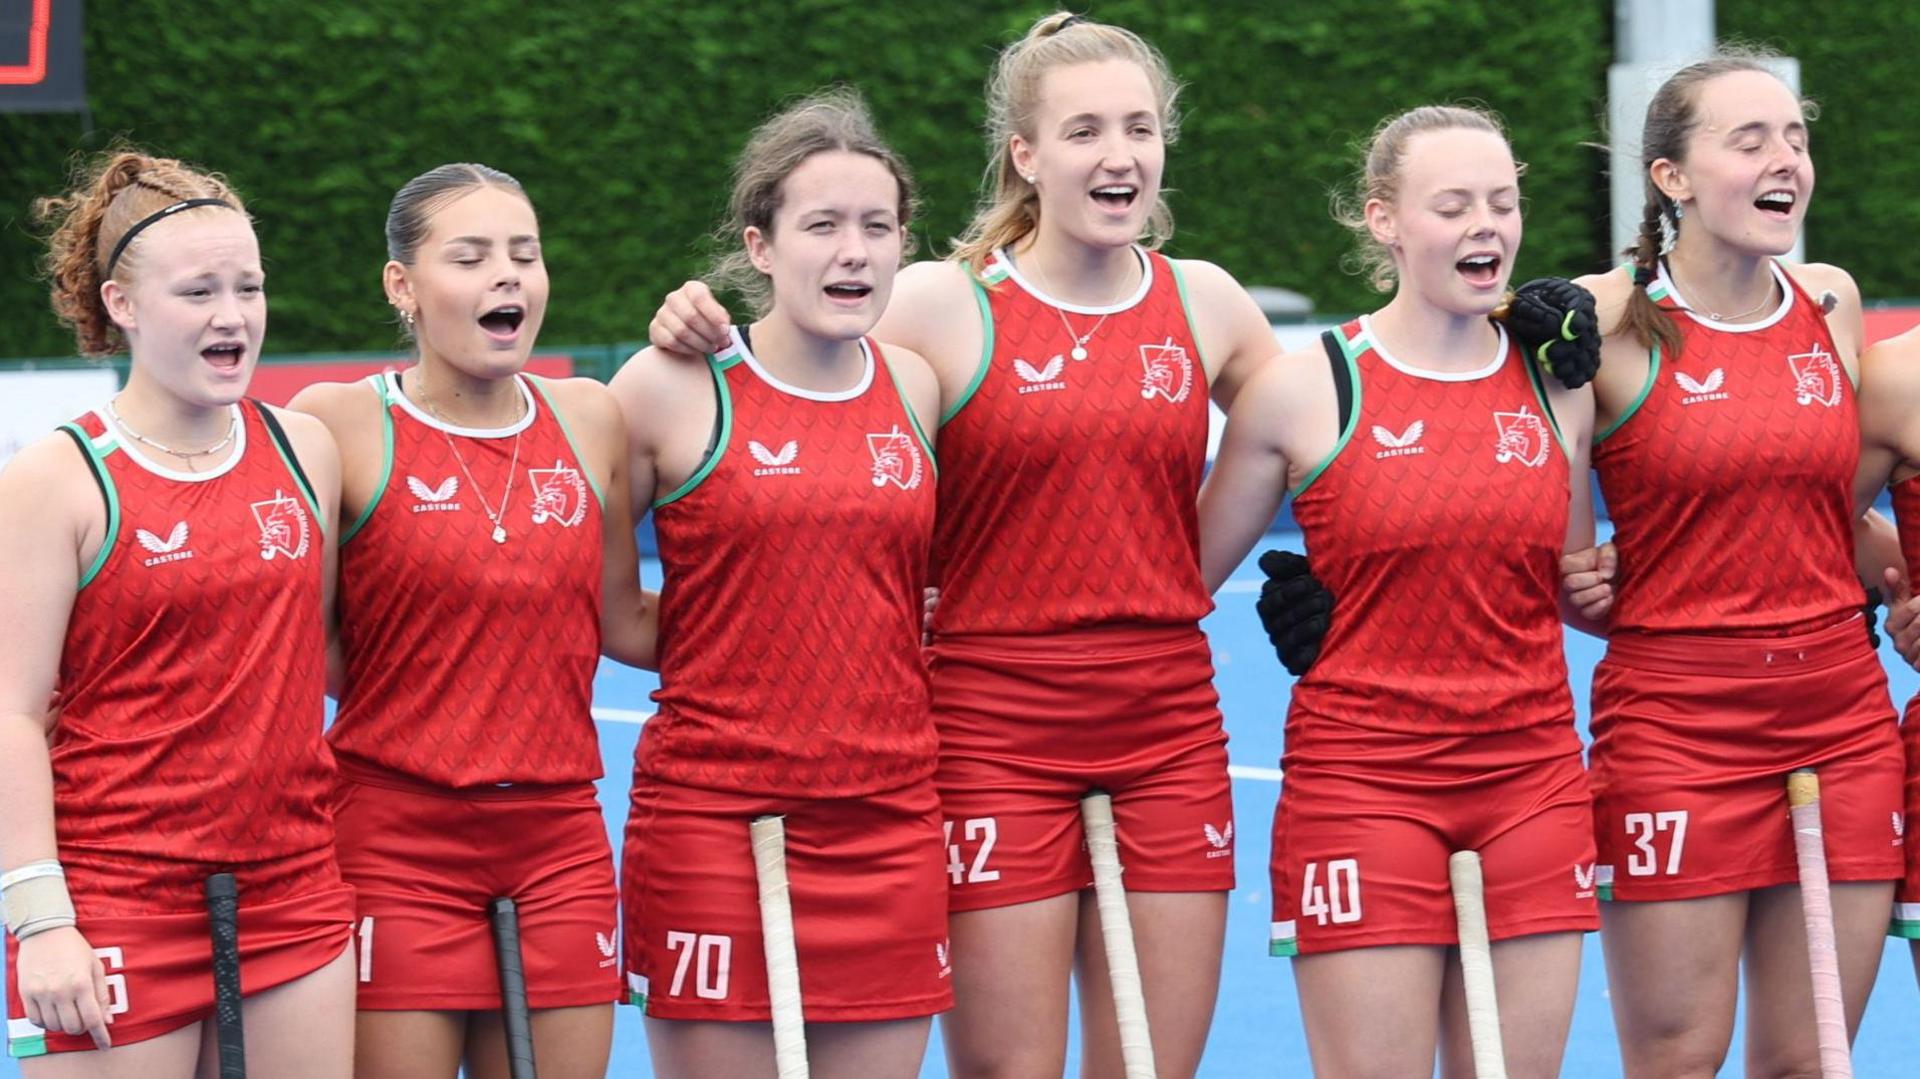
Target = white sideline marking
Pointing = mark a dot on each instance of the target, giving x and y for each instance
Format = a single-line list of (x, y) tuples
[(637, 718), (621, 715)]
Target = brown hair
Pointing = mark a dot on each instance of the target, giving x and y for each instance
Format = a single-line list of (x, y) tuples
[(1009, 206), (410, 215), (833, 120), (1672, 116), (111, 192), (1379, 178)]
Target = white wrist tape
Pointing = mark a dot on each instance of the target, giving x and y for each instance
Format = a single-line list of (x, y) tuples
[(35, 898)]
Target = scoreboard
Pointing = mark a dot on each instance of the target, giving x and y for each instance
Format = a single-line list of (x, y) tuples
[(41, 63)]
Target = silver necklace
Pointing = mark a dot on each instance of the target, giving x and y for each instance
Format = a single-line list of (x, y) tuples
[(513, 466), (1079, 350), (233, 428), (1715, 316)]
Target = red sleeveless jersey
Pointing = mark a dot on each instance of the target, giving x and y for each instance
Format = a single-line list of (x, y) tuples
[(193, 676), (1069, 493), (790, 619), (1438, 522), (1906, 516), (468, 661), (1729, 482)]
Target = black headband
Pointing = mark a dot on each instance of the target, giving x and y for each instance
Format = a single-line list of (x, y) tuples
[(169, 211)]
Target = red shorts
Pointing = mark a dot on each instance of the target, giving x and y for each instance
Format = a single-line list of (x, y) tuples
[(1693, 739), (1368, 819), (427, 861), (1906, 903), (160, 966), (1029, 725), (867, 879)]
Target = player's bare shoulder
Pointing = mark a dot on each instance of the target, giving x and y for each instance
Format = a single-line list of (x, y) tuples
[(917, 382), (48, 484), (933, 312), (1611, 291), (659, 393), (1293, 402)]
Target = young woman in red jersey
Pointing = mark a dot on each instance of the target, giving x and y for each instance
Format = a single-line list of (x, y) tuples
[(1726, 446), (1890, 457), (1437, 478), (792, 488), (487, 561), (1067, 654), (165, 560)]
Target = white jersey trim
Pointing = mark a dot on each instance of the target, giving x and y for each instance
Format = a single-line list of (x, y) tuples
[(860, 385), (129, 444), (395, 393), (1369, 339), (1786, 302), (1005, 261)]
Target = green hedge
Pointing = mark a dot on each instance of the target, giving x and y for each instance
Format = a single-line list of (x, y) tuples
[(621, 117)]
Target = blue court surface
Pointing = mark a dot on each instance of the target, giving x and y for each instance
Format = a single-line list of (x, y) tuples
[(1256, 1029)]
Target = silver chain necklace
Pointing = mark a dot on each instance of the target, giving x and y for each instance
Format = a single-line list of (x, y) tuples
[(233, 428), (1079, 351), (513, 466), (1715, 316)]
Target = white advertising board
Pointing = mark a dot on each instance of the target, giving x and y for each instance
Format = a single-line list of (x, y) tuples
[(33, 403)]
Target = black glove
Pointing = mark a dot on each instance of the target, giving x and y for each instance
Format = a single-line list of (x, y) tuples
[(1871, 609), (1552, 319), (1294, 608)]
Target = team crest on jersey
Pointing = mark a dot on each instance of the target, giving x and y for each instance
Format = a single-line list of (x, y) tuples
[(1816, 377), (1404, 444), (1046, 377), (896, 460), (775, 462), (1523, 438), (437, 499), (1167, 371), (284, 531), (173, 548), (559, 495)]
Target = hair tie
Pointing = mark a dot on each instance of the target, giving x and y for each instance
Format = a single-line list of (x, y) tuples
[(1642, 277), (165, 212)]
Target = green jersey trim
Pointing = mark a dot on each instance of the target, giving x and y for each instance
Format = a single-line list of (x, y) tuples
[(383, 386), (1906, 921), (1349, 351), (913, 418), (539, 386), (1538, 379), (1653, 374), (724, 402), (96, 458), (1186, 311), (24, 1039), (986, 347)]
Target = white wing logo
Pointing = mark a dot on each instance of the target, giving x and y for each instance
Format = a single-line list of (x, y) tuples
[(767, 457), (175, 540), (447, 489), (1219, 839), (1045, 374), (605, 942), (1583, 878), (1715, 378), (1401, 441)]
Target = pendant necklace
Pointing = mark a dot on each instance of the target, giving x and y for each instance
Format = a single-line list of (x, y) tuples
[(1079, 350), (506, 496)]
